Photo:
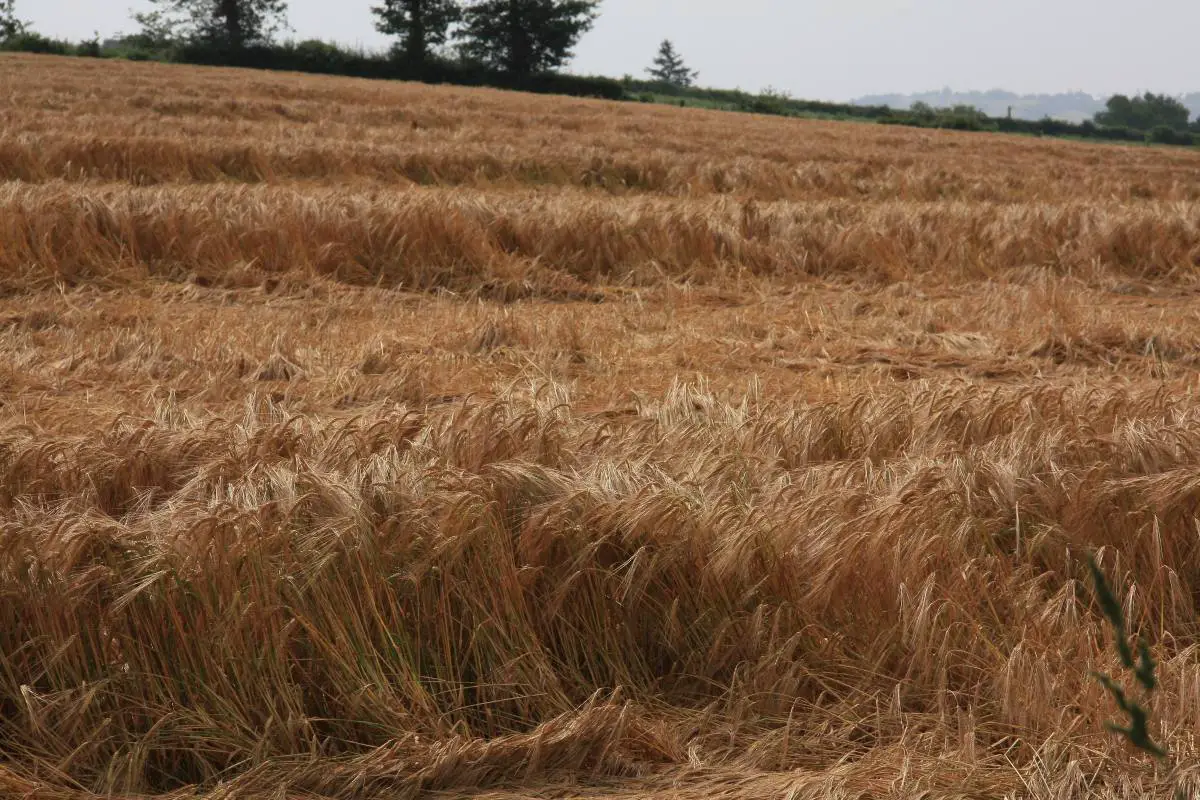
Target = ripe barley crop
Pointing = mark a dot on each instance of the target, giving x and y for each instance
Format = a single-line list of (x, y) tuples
[(379, 440), (488, 241)]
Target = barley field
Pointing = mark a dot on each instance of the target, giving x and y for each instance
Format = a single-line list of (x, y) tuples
[(376, 440)]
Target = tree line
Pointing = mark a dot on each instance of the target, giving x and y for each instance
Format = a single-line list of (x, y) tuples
[(519, 37), (1154, 118)]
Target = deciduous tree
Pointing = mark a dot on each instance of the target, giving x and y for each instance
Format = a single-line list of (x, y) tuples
[(229, 23), (10, 25), (1145, 113), (420, 25), (522, 37)]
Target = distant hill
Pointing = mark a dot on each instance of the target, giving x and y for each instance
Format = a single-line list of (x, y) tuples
[(1070, 106)]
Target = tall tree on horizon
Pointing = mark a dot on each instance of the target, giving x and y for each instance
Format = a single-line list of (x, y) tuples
[(522, 37), (419, 24), (668, 67), (229, 23), (10, 24)]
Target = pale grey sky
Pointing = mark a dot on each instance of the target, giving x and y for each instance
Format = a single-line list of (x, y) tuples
[(828, 49)]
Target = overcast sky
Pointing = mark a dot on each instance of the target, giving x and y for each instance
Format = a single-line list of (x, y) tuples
[(827, 49)]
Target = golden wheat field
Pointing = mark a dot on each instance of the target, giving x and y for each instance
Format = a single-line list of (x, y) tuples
[(376, 440)]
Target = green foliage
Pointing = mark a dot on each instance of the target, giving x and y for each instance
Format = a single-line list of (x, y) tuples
[(921, 110), (30, 42), (1145, 113), (231, 24), (962, 118), (10, 25), (324, 58), (313, 55), (159, 30), (89, 48), (768, 101), (1163, 134), (997, 103), (668, 67), (1119, 134), (959, 117), (420, 25), (524, 37), (133, 53), (1137, 732)]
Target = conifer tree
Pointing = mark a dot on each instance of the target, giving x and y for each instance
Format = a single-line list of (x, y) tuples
[(668, 67)]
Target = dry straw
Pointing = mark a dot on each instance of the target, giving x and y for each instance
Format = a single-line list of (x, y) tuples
[(343, 454)]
